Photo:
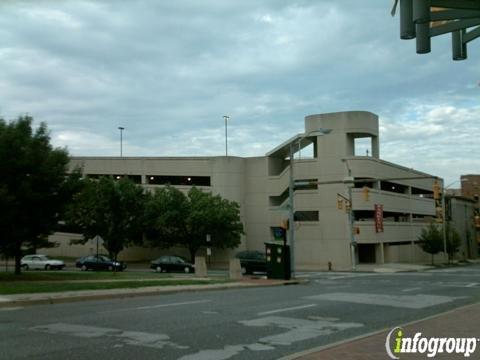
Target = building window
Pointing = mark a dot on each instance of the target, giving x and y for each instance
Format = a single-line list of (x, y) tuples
[(393, 187), (422, 193), (136, 179), (306, 216), (363, 146), (178, 180), (306, 184)]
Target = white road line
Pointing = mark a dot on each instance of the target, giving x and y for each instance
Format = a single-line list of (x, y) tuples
[(125, 337), (172, 304), (418, 301), (457, 284), (12, 308), (412, 289), (158, 306), (286, 309)]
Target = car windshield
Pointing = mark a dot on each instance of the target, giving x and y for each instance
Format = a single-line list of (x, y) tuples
[(43, 257), (261, 256), (104, 258)]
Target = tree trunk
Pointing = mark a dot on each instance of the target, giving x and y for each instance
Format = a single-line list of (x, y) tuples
[(432, 259), (193, 252)]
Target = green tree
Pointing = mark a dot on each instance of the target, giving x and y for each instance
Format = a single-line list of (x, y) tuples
[(175, 219), (431, 240), (453, 242), (111, 209), (34, 187)]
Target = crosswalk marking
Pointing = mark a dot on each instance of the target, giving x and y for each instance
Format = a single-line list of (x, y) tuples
[(137, 338), (418, 301)]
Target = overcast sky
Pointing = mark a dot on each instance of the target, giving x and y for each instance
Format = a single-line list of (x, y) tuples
[(168, 71)]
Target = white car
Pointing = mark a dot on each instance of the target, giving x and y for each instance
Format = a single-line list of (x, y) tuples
[(41, 262)]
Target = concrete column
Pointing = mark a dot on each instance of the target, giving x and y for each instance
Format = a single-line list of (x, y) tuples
[(375, 147), (234, 269), (379, 254), (200, 266)]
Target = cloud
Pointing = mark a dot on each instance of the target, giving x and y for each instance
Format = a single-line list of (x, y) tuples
[(169, 71), (442, 141)]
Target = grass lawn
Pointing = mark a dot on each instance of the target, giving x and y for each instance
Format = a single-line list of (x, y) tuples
[(29, 286), (79, 275)]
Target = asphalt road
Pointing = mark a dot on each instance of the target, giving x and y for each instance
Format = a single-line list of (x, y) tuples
[(258, 323)]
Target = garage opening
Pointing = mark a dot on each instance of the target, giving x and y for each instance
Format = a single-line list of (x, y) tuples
[(366, 253)]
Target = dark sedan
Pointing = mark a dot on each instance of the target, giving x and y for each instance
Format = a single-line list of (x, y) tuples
[(99, 262), (169, 263), (252, 261)]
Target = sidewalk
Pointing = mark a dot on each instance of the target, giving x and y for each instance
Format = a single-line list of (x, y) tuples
[(82, 295), (463, 322)]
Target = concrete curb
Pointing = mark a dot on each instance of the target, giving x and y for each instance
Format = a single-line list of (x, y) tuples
[(300, 354), (87, 295)]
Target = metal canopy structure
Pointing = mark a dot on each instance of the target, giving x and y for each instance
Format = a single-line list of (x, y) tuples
[(424, 19)]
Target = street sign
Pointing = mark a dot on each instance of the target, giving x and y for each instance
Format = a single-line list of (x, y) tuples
[(378, 218)]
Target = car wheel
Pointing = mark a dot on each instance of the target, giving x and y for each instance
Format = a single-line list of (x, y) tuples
[(84, 268), (110, 268), (187, 269), (25, 267), (47, 267), (158, 269), (244, 270)]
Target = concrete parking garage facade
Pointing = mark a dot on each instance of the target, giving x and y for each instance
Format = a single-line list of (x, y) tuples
[(261, 186)]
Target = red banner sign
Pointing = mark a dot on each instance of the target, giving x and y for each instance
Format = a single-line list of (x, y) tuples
[(378, 218)]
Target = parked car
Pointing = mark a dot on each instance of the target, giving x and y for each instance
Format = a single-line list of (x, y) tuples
[(170, 263), (100, 262), (252, 261), (38, 261)]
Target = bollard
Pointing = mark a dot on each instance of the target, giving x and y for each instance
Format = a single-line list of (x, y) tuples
[(235, 270), (200, 267)]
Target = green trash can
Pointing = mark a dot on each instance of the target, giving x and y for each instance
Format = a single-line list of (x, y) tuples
[(277, 261)]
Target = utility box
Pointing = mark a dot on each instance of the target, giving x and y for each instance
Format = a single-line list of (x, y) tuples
[(277, 261)]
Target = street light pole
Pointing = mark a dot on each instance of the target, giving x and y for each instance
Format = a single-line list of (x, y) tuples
[(349, 182), (121, 140), (291, 214), (350, 226), (444, 219), (226, 118)]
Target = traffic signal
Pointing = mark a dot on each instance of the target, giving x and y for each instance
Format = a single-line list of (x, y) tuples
[(339, 204), (348, 206), (436, 190), (284, 224), (366, 193)]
